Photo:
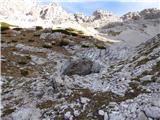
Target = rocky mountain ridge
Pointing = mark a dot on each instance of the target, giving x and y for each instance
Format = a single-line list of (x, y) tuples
[(31, 11)]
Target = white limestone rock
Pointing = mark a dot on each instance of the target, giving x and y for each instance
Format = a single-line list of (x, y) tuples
[(142, 116), (27, 113), (51, 36), (38, 60), (84, 100), (146, 78), (153, 112), (101, 112), (68, 115), (76, 113), (106, 117)]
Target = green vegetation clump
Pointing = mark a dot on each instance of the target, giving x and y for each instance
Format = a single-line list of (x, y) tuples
[(74, 31), (45, 104), (143, 61), (5, 26), (14, 41), (98, 99), (30, 40), (24, 72), (64, 32), (24, 60), (69, 31), (155, 68), (85, 46), (18, 29), (48, 46), (64, 42), (100, 45), (8, 111), (144, 83), (39, 27)]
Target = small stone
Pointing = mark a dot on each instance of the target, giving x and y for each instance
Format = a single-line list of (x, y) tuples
[(76, 113), (84, 100), (38, 60), (116, 115), (2, 58), (101, 112), (44, 35), (68, 115), (53, 42), (86, 44), (142, 116), (156, 102), (106, 116), (146, 78)]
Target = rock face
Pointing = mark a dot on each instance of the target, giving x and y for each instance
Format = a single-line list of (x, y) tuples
[(80, 18), (55, 13), (131, 16), (98, 14), (152, 13), (18, 10)]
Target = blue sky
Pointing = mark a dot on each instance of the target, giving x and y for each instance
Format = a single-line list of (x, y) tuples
[(118, 7)]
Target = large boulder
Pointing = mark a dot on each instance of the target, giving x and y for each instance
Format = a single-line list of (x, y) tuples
[(81, 67)]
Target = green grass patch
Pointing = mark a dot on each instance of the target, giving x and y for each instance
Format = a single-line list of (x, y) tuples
[(45, 104), (69, 31), (5, 26), (24, 72), (18, 29), (39, 28), (8, 110), (64, 42), (141, 62), (48, 46), (100, 45)]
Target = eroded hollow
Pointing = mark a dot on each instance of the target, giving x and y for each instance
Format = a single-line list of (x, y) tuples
[(82, 67)]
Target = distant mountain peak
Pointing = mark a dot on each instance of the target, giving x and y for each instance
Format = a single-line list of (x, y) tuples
[(53, 13)]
